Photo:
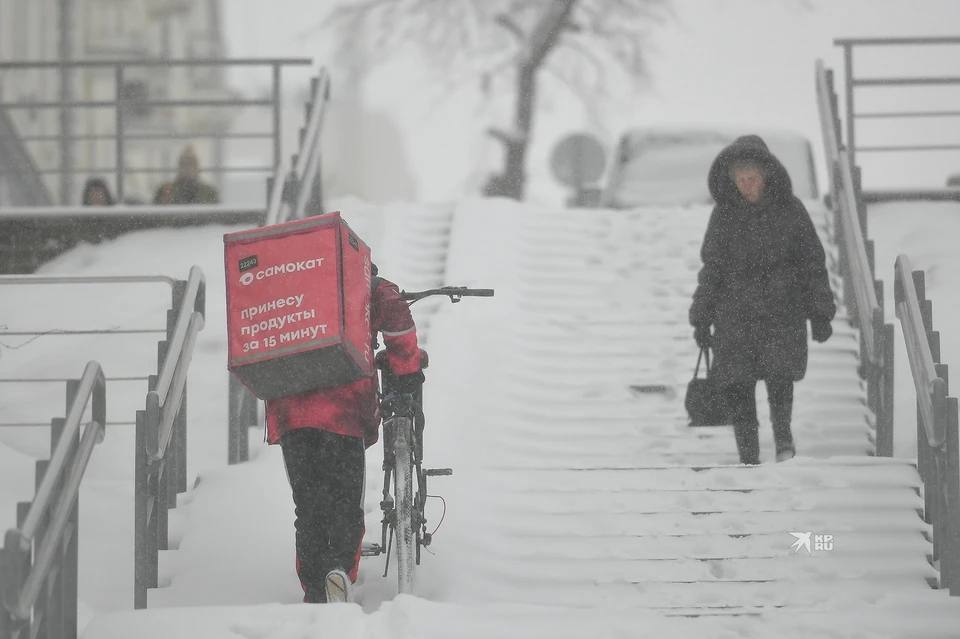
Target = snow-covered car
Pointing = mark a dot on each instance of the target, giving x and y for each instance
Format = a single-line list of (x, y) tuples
[(669, 166)]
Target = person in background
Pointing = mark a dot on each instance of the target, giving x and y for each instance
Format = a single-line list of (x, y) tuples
[(96, 193), (764, 276), (187, 188)]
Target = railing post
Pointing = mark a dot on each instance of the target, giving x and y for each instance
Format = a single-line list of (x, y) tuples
[(65, 25), (835, 107), (120, 128), (242, 415), (54, 592), (141, 572), (178, 483), (277, 116), (178, 444), (14, 567), (858, 198), (838, 223), (42, 604), (952, 556), (848, 71), (885, 421), (8, 575), (69, 553), (874, 379)]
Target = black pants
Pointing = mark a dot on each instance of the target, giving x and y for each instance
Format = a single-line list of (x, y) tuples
[(326, 473), (742, 404)]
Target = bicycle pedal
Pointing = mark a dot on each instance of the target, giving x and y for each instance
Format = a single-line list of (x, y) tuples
[(438, 472), (371, 550)]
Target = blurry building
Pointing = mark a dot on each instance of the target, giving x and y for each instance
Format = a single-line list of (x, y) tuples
[(113, 29)]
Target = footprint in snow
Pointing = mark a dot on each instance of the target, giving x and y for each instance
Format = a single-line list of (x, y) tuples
[(716, 569)]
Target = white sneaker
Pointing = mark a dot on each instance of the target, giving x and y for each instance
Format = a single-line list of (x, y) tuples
[(338, 586), (785, 454)]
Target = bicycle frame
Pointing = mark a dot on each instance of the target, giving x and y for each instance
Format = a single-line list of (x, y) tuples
[(403, 428)]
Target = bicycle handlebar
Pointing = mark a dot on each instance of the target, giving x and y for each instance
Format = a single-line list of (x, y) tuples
[(453, 292)]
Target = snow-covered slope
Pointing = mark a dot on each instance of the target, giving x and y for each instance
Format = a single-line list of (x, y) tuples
[(576, 505)]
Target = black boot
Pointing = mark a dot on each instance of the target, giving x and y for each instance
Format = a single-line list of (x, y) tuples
[(742, 404), (780, 393)]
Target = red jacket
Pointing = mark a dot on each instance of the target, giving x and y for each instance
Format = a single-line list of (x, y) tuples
[(353, 409)]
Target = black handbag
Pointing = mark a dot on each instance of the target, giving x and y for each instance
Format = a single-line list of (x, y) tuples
[(705, 401)]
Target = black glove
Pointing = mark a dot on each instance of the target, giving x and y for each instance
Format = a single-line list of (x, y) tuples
[(702, 336), (410, 383), (821, 329)]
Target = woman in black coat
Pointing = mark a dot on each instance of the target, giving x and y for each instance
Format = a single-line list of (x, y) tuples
[(764, 275)]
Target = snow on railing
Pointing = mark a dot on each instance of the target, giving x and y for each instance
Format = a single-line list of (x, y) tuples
[(39, 559), (938, 451), (161, 436)]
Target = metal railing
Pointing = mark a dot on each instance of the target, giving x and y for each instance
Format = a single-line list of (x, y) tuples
[(301, 177), (39, 559), (161, 435), (295, 191), (37, 280), (863, 294), (852, 82), (938, 450), (135, 114)]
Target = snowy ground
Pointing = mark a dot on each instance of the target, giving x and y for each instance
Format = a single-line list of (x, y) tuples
[(523, 388)]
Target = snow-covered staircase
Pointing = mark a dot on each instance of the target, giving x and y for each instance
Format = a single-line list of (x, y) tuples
[(579, 505), (599, 496)]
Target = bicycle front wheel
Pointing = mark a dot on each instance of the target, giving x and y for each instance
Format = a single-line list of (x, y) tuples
[(406, 526)]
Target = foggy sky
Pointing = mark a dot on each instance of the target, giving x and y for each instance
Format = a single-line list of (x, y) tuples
[(724, 61)]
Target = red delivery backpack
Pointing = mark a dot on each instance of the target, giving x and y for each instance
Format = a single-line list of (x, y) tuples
[(298, 306)]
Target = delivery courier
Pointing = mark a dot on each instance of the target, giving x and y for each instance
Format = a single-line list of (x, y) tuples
[(317, 303)]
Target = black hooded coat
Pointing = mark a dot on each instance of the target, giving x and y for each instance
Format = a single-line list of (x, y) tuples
[(763, 276)]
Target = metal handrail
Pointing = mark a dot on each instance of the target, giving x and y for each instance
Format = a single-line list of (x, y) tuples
[(306, 165), (931, 389), (64, 473), (194, 299), (92, 435), (92, 384), (831, 144), (314, 124), (161, 413), (309, 158), (277, 202), (861, 274), (885, 41)]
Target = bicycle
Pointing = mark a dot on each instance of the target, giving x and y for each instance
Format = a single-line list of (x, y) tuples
[(403, 509)]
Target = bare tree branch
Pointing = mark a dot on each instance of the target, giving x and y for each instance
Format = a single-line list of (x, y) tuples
[(547, 31), (507, 23), (578, 42)]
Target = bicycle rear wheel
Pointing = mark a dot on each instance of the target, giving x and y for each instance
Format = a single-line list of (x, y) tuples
[(405, 530)]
